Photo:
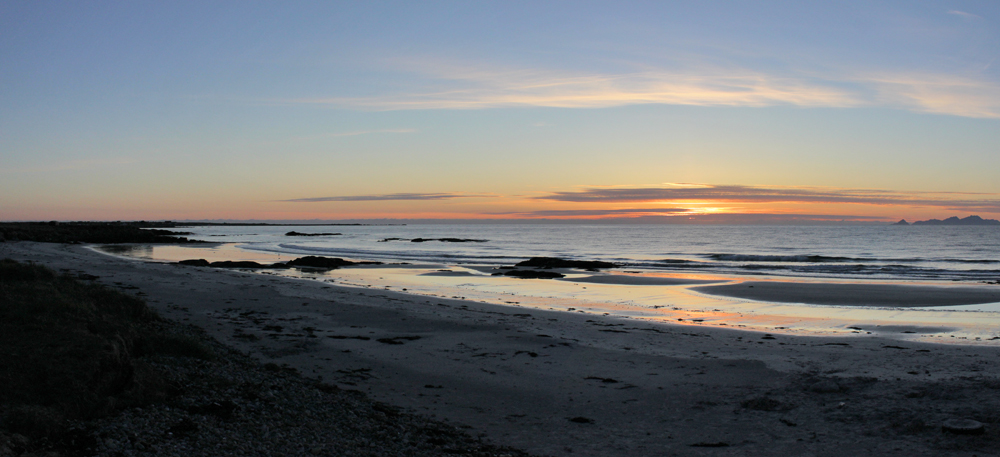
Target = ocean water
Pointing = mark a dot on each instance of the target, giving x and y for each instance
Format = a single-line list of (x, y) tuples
[(943, 253)]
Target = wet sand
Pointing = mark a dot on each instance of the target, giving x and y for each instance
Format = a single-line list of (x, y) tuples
[(571, 383)]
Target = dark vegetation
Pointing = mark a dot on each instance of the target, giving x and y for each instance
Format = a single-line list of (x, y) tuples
[(74, 351), (91, 232)]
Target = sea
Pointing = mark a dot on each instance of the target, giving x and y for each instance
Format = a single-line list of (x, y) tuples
[(936, 253)]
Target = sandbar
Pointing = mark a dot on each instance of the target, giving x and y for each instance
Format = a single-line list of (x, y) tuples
[(890, 295)]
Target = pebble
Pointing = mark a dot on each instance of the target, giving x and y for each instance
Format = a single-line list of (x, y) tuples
[(963, 427)]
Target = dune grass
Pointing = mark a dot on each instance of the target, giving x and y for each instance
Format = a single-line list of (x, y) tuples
[(71, 350)]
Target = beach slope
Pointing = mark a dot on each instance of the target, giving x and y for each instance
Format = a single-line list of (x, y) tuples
[(562, 383)]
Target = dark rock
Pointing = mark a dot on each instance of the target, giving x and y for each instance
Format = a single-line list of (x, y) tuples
[(448, 240), (555, 262), (236, 264), (194, 263), (581, 420), (397, 340), (534, 274), (902, 222), (293, 233), (716, 444), (963, 427)]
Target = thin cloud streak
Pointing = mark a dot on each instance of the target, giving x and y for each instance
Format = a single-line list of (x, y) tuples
[(386, 197), (595, 212), (938, 94), (761, 194), (964, 14), (545, 89), (368, 132), (483, 88)]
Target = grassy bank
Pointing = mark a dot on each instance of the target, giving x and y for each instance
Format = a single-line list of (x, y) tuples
[(73, 351), (90, 232)]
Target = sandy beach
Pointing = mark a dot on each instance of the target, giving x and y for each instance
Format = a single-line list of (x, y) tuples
[(571, 383)]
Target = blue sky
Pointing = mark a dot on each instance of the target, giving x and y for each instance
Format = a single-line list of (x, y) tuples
[(336, 110)]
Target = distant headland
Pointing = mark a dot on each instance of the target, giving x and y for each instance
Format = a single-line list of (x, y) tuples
[(971, 220)]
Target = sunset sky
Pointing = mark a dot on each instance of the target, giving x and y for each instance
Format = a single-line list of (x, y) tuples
[(707, 111)]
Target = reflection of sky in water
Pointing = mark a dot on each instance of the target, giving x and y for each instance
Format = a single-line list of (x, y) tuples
[(676, 304), (143, 251)]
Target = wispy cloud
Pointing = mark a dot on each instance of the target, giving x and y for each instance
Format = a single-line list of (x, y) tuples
[(470, 86), (386, 197), (938, 93), (674, 193), (964, 14), (484, 89), (631, 212)]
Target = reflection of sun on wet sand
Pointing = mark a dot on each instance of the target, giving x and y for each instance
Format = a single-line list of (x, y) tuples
[(631, 280), (570, 383)]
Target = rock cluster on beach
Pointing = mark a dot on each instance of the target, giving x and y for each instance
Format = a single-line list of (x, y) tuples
[(326, 263), (443, 240), (537, 267)]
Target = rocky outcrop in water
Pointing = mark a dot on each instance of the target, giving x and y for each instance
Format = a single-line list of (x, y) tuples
[(195, 263), (294, 233), (971, 220), (319, 262), (555, 262)]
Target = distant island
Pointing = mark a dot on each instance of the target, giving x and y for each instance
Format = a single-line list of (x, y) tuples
[(971, 220)]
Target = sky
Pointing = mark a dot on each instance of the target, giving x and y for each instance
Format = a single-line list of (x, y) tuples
[(707, 112)]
